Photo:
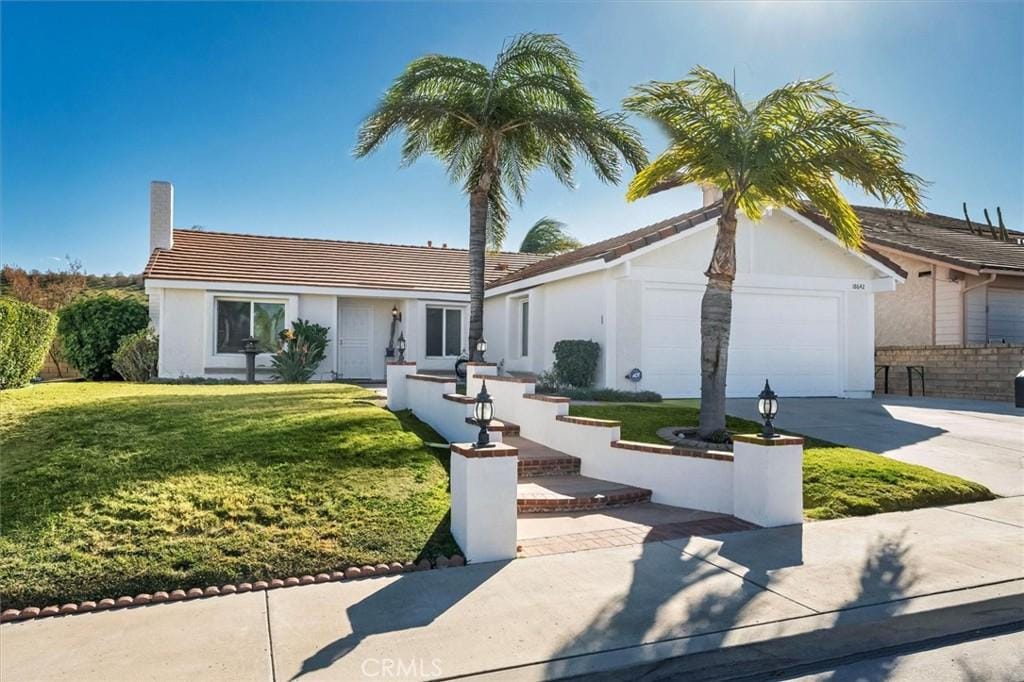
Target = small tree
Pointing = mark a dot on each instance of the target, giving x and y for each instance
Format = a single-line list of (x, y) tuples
[(91, 329)]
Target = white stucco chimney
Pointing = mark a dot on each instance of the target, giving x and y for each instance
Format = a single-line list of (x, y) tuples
[(711, 194), (161, 215)]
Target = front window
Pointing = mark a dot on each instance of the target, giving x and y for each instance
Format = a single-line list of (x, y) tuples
[(238, 319), (444, 332)]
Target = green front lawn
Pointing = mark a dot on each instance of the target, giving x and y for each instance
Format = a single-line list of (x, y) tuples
[(114, 489), (838, 481)]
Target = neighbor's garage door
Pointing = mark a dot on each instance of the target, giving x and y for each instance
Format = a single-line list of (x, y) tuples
[(791, 339), (1006, 315)]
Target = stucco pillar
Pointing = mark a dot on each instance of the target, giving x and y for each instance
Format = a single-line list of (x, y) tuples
[(475, 370), (483, 482), (768, 486), (396, 379)]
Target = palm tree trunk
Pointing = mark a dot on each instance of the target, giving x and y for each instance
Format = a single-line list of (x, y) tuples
[(716, 322), (477, 250)]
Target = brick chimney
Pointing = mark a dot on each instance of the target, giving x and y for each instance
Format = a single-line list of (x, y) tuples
[(161, 215)]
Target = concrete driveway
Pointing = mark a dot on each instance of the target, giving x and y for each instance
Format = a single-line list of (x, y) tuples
[(978, 440)]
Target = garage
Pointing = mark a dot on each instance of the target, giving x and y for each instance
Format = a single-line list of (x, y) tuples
[(798, 351)]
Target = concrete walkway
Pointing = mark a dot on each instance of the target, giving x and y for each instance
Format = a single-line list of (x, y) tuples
[(559, 615), (980, 440)]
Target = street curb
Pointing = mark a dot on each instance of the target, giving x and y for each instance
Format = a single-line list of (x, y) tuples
[(110, 603), (765, 650)]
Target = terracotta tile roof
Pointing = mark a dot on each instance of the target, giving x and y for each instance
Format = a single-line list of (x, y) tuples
[(615, 247), (941, 238), (230, 257)]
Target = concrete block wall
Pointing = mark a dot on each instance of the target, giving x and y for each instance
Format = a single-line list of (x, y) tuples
[(977, 371)]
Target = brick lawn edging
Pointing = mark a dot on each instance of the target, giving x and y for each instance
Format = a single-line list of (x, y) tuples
[(350, 573)]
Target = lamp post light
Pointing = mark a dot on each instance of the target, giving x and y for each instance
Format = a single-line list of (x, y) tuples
[(483, 412), (401, 347), (768, 406), (481, 347), (250, 346)]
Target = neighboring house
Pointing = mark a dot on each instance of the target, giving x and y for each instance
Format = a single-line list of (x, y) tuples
[(209, 290), (965, 283), (803, 310)]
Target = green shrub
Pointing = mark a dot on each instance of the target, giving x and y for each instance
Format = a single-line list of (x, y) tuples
[(610, 395), (135, 359), (576, 362), (304, 348), (26, 333), (91, 328)]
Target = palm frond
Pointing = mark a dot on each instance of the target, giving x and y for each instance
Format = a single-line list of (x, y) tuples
[(548, 236)]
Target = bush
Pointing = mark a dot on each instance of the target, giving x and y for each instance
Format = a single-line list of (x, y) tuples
[(135, 359), (305, 347), (91, 328), (576, 362), (26, 333), (611, 395)]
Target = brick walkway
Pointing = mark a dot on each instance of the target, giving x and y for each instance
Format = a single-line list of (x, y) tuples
[(634, 534)]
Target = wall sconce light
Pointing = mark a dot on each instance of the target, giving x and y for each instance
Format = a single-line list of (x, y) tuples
[(395, 314)]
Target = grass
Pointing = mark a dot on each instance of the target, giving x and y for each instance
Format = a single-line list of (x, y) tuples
[(838, 481), (114, 489)]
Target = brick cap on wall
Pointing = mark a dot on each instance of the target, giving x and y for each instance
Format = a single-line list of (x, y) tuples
[(404, 363), (469, 450), (481, 364), (756, 439)]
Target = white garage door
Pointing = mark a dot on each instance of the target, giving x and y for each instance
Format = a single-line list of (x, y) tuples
[(791, 339)]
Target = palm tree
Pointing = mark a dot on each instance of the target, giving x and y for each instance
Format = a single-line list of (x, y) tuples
[(549, 236), (492, 127), (788, 147)]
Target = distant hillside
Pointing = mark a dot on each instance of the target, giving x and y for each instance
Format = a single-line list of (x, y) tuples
[(118, 284)]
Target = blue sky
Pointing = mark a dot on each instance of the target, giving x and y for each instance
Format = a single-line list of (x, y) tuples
[(251, 109)]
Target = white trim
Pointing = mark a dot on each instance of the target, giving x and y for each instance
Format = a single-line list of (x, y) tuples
[(563, 273), (807, 222), (213, 359), (287, 289)]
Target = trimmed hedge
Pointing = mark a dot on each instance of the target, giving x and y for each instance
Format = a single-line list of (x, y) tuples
[(91, 329), (26, 333), (576, 362)]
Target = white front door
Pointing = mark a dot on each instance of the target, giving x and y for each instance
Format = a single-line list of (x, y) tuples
[(354, 341)]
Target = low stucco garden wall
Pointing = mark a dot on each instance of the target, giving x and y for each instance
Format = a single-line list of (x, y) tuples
[(983, 372)]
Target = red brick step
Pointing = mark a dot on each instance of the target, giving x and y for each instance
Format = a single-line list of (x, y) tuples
[(574, 493)]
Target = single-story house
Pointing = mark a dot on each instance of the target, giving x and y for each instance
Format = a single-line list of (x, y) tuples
[(803, 307), (209, 290), (965, 282)]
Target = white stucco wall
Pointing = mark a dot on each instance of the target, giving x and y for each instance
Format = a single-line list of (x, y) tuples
[(785, 272), (184, 319)]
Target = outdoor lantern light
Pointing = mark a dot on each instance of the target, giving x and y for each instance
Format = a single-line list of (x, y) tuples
[(401, 347), (395, 315), (483, 412), (481, 347), (768, 406)]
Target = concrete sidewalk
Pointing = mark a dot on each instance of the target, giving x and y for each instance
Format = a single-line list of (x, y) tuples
[(554, 616)]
